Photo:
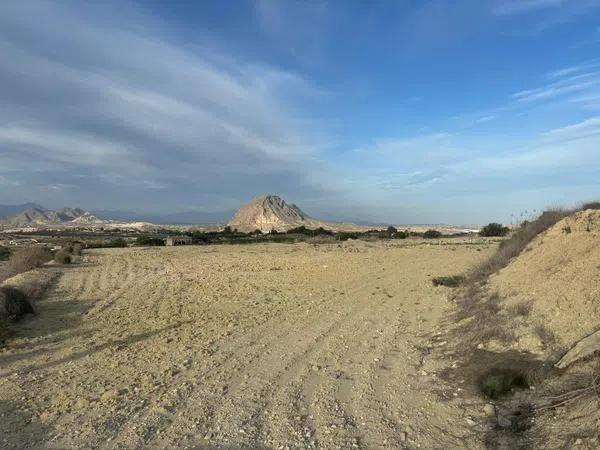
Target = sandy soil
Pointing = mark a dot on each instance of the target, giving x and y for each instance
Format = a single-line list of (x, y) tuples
[(558, 276), (262, 346)]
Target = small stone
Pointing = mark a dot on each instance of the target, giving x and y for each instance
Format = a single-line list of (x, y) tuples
[(402, 436), (503, 421), (489, 410), (578, 441), (470, 422)]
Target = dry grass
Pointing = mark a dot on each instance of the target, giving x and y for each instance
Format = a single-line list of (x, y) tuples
[(25, 259), (449, 281), (517, 242), (62, 257)]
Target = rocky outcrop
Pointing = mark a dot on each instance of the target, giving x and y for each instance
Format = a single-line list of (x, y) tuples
[(271, 212)]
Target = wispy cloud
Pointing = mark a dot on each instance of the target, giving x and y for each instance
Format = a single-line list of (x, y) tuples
[(526, 6), (117, 101), (584, 129), (576, 83)]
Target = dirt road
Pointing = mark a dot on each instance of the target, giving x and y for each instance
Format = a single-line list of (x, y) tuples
[(262, 346)]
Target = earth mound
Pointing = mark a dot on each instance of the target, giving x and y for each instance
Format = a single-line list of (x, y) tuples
[(557, 278)]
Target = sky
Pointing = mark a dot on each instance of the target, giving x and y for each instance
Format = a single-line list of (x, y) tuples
[(386, 111)]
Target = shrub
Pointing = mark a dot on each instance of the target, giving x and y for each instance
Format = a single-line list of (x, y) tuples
[(149, 241), (13, 303), (590, 205), (401, 234), (118, 243), (451, 281), (28, 258), (62, 257), (4, 253), (494, 229), (432, 234)]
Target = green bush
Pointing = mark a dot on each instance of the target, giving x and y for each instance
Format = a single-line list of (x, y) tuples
[(494, 229), (113, 243), (432, 234), (149, 241)]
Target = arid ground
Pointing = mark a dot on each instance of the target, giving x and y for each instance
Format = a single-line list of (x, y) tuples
[(257, 346)]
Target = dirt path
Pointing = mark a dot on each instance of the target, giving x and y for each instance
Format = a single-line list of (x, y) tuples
[(274, 346)]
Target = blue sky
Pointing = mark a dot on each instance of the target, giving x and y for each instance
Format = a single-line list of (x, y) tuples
[(394, 111)]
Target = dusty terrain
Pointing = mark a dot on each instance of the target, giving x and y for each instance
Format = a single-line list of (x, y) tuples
[(262, 346), (558, 277)]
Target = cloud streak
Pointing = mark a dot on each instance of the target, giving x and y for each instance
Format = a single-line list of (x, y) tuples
[(106, 108)]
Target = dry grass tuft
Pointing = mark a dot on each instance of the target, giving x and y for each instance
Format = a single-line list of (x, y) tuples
[(522, 309), (449, 281)]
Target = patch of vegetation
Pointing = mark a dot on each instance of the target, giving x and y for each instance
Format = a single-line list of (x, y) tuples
[(112, 243), (62, 257), (147, 241), (4, 253), (449, 281), (494, 229), (27, 258), (432, 234), (13, 303), (590, 205)]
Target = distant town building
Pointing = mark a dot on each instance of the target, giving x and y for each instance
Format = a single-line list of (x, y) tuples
[(178, 240)]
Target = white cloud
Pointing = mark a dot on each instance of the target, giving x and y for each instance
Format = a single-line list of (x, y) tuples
[(585, 129)]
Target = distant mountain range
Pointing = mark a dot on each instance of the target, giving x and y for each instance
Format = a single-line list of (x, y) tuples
[(33, 214), (185, 217), (39, 216)]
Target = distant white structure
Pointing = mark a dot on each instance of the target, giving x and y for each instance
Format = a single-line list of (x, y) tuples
[(178, 240)]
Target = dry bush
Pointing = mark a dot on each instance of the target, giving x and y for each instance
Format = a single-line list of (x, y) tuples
[(25, 259), (450, 281), (590, 205), (62, 257), (520, 309), (518, 241), (13, 303)]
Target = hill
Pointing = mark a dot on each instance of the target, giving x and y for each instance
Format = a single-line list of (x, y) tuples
[(11, 210), (40, 217), (271, 212)]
